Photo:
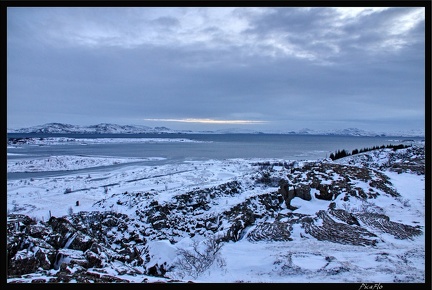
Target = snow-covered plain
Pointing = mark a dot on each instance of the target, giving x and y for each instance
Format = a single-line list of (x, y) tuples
[(48, 141), (303, 259), (65, 162)]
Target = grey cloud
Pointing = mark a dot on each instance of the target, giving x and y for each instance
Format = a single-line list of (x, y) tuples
[(216, 77), (291, 19), (373, 33), (167, 21), (320, 32)]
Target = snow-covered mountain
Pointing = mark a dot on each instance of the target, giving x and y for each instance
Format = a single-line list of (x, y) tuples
[(358, 132), (102, 128), (347, 131), (106, 128)]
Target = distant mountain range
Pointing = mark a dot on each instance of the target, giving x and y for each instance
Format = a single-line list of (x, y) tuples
[(106, 128), (103, 128)]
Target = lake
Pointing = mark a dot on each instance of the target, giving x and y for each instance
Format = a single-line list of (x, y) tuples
[(209, 146)]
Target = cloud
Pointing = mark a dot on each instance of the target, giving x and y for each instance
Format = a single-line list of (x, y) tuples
[(209, 121), (316, 34), (285, 65)]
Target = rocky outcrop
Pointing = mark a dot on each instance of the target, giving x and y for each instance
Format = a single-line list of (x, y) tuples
[(271, 231), (340, 226), (72, 240), (382, 224), (286, 194), (332, 180), (325, 228), (302, 191), (410, 160)]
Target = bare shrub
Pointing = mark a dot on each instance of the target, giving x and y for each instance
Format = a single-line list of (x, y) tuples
[(15, 205), (365, 207), (195, 261), (404, 201)]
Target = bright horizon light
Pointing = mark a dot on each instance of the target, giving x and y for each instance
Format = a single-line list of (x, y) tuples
[(209, 121)]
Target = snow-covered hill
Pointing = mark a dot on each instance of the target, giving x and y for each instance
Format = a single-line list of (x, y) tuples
[(359, 219), (359, 132), (105, 128)]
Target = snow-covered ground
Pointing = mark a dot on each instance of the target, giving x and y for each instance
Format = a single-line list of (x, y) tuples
[(65, 162), (301, 260), (37, 196), (49, 141)]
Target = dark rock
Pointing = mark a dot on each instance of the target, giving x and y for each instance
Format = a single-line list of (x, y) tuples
[(24, 262), (94, 260), (287, 195), (303, 191), (330, 230), (325, 193), (40, 280)]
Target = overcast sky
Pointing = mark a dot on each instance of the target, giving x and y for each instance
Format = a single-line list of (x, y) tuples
[(210, 68)]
